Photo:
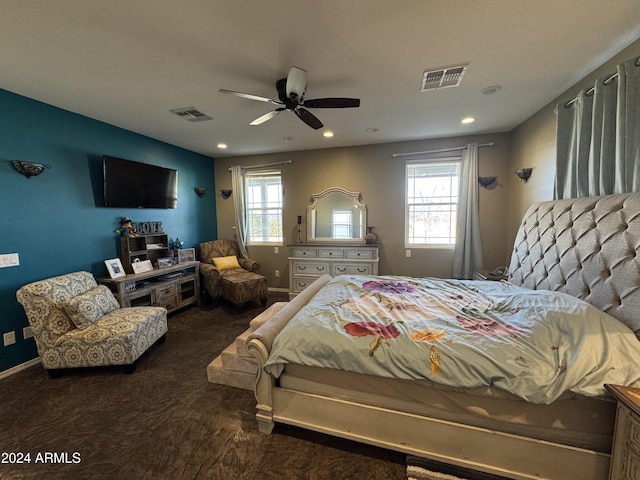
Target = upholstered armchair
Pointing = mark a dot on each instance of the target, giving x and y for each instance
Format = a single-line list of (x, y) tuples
[(234, 278), (78, 323)]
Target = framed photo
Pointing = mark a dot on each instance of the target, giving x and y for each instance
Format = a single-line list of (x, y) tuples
[(114, 267), (186, 255), (164, 262), (144, 266)]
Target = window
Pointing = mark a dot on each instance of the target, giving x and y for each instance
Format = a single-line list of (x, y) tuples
[(263, 207), (341, 223), (431, 202)]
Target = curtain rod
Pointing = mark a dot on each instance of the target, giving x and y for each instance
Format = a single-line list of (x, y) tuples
[(442, 150), (606, 81), (286, 162)]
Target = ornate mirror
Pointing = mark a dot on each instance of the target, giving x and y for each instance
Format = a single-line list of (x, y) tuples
[(336, 215)]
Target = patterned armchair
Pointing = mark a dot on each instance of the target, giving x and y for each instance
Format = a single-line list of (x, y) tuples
[(241, 276), (77, 323)]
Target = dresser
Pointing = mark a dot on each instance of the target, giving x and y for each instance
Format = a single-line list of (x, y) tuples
[(625, 456), (309, 261)]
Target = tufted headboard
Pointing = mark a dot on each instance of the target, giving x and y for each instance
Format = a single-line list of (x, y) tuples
[(585, 247)]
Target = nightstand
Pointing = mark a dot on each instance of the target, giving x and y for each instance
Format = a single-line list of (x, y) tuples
[(485, 274), (625, 455)]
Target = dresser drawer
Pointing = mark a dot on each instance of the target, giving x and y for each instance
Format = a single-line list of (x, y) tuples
[(631, 465), (166, 290), (351, 269), (310, 268), (169, 303), (364, 253), (300, 283), (304, 252), (330, 253), (633, 438)]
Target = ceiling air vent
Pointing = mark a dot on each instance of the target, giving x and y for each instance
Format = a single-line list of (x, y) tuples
[(443, 77), (191, 114)]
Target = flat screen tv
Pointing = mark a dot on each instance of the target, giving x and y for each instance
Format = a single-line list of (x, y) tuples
[(131, 184)]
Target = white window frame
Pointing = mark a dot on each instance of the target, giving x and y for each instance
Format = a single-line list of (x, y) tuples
[(263, 209), (336, 224), (411, 200)]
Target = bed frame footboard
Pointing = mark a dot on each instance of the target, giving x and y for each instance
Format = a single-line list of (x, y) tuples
[(259, 345), (512, 456)]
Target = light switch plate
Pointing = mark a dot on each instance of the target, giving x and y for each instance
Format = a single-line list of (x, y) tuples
[(9, 260)]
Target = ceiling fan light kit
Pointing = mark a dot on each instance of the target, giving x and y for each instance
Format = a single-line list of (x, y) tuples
[(291, 91)]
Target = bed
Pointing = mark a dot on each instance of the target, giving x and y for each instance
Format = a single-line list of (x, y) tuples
[(526, 404)]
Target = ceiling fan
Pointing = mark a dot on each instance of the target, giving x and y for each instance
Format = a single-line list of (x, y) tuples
[(291, 92)]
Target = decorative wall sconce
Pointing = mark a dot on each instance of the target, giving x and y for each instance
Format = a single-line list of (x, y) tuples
[(488, 182), (225, 193), (200, 191), (524, 174), (28, 169)]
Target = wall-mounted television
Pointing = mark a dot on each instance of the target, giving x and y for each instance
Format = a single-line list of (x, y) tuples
[(131, 184)]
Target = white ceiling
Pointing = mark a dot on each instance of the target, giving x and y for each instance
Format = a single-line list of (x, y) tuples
[(128, 62)]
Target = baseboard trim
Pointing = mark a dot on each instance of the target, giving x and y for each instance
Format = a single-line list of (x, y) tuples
[(19, 368)]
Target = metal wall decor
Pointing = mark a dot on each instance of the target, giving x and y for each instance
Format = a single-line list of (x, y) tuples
[(225, 193), (487, 182), (28, 169), (200, 191), (524, 174)]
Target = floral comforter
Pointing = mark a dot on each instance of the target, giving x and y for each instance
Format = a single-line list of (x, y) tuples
[(535, 344)]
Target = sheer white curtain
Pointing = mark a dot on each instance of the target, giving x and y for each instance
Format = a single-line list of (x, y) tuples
[(598, 137), (467, 254), (237, 183)]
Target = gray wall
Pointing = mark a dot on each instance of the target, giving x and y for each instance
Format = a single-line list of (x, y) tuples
[(372, 170), (533, 144)]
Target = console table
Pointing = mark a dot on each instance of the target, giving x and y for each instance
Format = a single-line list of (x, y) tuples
[(169, 287), (309, 261)]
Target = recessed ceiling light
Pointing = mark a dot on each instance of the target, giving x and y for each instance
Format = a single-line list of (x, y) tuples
[(490, 90), (222, 145), (372, 129), (327, 134), (468, 120)]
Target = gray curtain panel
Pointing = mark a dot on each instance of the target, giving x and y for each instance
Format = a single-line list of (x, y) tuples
[(467, 253), (237, 182), (598, 137)]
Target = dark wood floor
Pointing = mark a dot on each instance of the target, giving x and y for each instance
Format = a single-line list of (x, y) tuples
[(165, 421)]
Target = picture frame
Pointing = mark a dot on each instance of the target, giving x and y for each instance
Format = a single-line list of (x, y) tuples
[(164, 262), (186, 255), (142, 266), (114, 267)]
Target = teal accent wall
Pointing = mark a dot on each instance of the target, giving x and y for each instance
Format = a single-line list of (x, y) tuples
[(55, 222)]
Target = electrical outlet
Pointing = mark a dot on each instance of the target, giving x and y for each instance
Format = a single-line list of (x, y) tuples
[(27, 332), (9, 338), (277, 273), (276, 250), (407, 253)]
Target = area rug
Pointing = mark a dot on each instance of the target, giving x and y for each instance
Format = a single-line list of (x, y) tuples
[(422, 469)]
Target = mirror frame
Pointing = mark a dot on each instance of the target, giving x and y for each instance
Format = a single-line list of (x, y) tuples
[(355, 197)]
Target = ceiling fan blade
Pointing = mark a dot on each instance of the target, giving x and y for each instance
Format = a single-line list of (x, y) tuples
[(309, 118), (251, 97), (266, 116), (332, 103), (296, 82)]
